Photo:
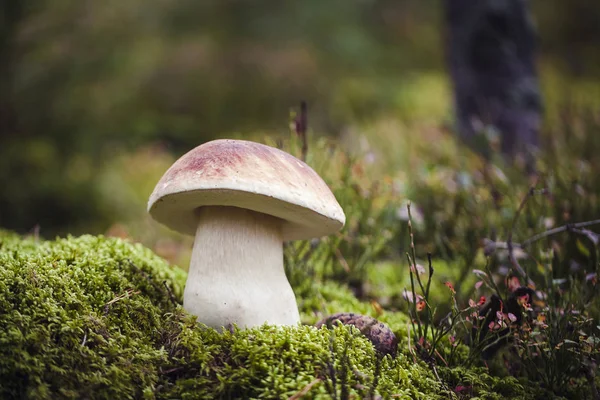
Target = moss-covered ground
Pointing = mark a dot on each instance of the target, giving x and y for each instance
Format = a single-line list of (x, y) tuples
[(94, 317)]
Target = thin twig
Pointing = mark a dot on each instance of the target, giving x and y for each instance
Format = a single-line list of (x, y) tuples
[(430, 275), (440, 356), (126, 294), (410, 350), (509, 242), (170, 371), (304, 390), (412, 269), (376, 377), (542, 235), (170, 293), (342, 260), (414, 296), (331, 368), (492, 283), (560, 229), (301, 126)]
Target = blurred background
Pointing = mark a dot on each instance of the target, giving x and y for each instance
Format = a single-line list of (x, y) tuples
[(99, 98)]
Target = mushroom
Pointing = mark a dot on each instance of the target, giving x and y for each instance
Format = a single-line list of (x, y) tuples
[(382, 337), (242, 200)]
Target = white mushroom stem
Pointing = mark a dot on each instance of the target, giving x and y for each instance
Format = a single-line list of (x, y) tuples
[(236, 273)]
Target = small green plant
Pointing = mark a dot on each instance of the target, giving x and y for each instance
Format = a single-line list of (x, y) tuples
[(371, 222), (558, 346), (556, 341), (427, 332), (545, 329)]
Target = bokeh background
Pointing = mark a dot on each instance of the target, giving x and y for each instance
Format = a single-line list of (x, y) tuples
[(98, 98)]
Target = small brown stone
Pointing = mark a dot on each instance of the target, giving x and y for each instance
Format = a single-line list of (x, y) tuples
[(379, 334)]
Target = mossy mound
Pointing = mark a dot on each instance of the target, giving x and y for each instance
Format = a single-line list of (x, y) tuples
[(94, 317), (83, 317)]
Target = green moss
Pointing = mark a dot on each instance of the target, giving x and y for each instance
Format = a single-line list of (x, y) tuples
[(277, 362), (83, 317), (94, 317)]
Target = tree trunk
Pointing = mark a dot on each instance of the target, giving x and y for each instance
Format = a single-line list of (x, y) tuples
[(11, 12), (491, 46)]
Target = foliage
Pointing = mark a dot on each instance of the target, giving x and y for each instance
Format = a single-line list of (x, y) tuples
[(501, 235), (83, 82), (371, 221), (535, 306)]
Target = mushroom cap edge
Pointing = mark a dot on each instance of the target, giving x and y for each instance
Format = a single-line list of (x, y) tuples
[(247, 175)]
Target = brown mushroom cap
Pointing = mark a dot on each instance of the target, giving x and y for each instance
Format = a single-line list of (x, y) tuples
[(378, 333), (247, 175)]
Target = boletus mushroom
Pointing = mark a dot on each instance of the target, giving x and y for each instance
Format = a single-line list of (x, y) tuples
[(242, 200), (382, 337)]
